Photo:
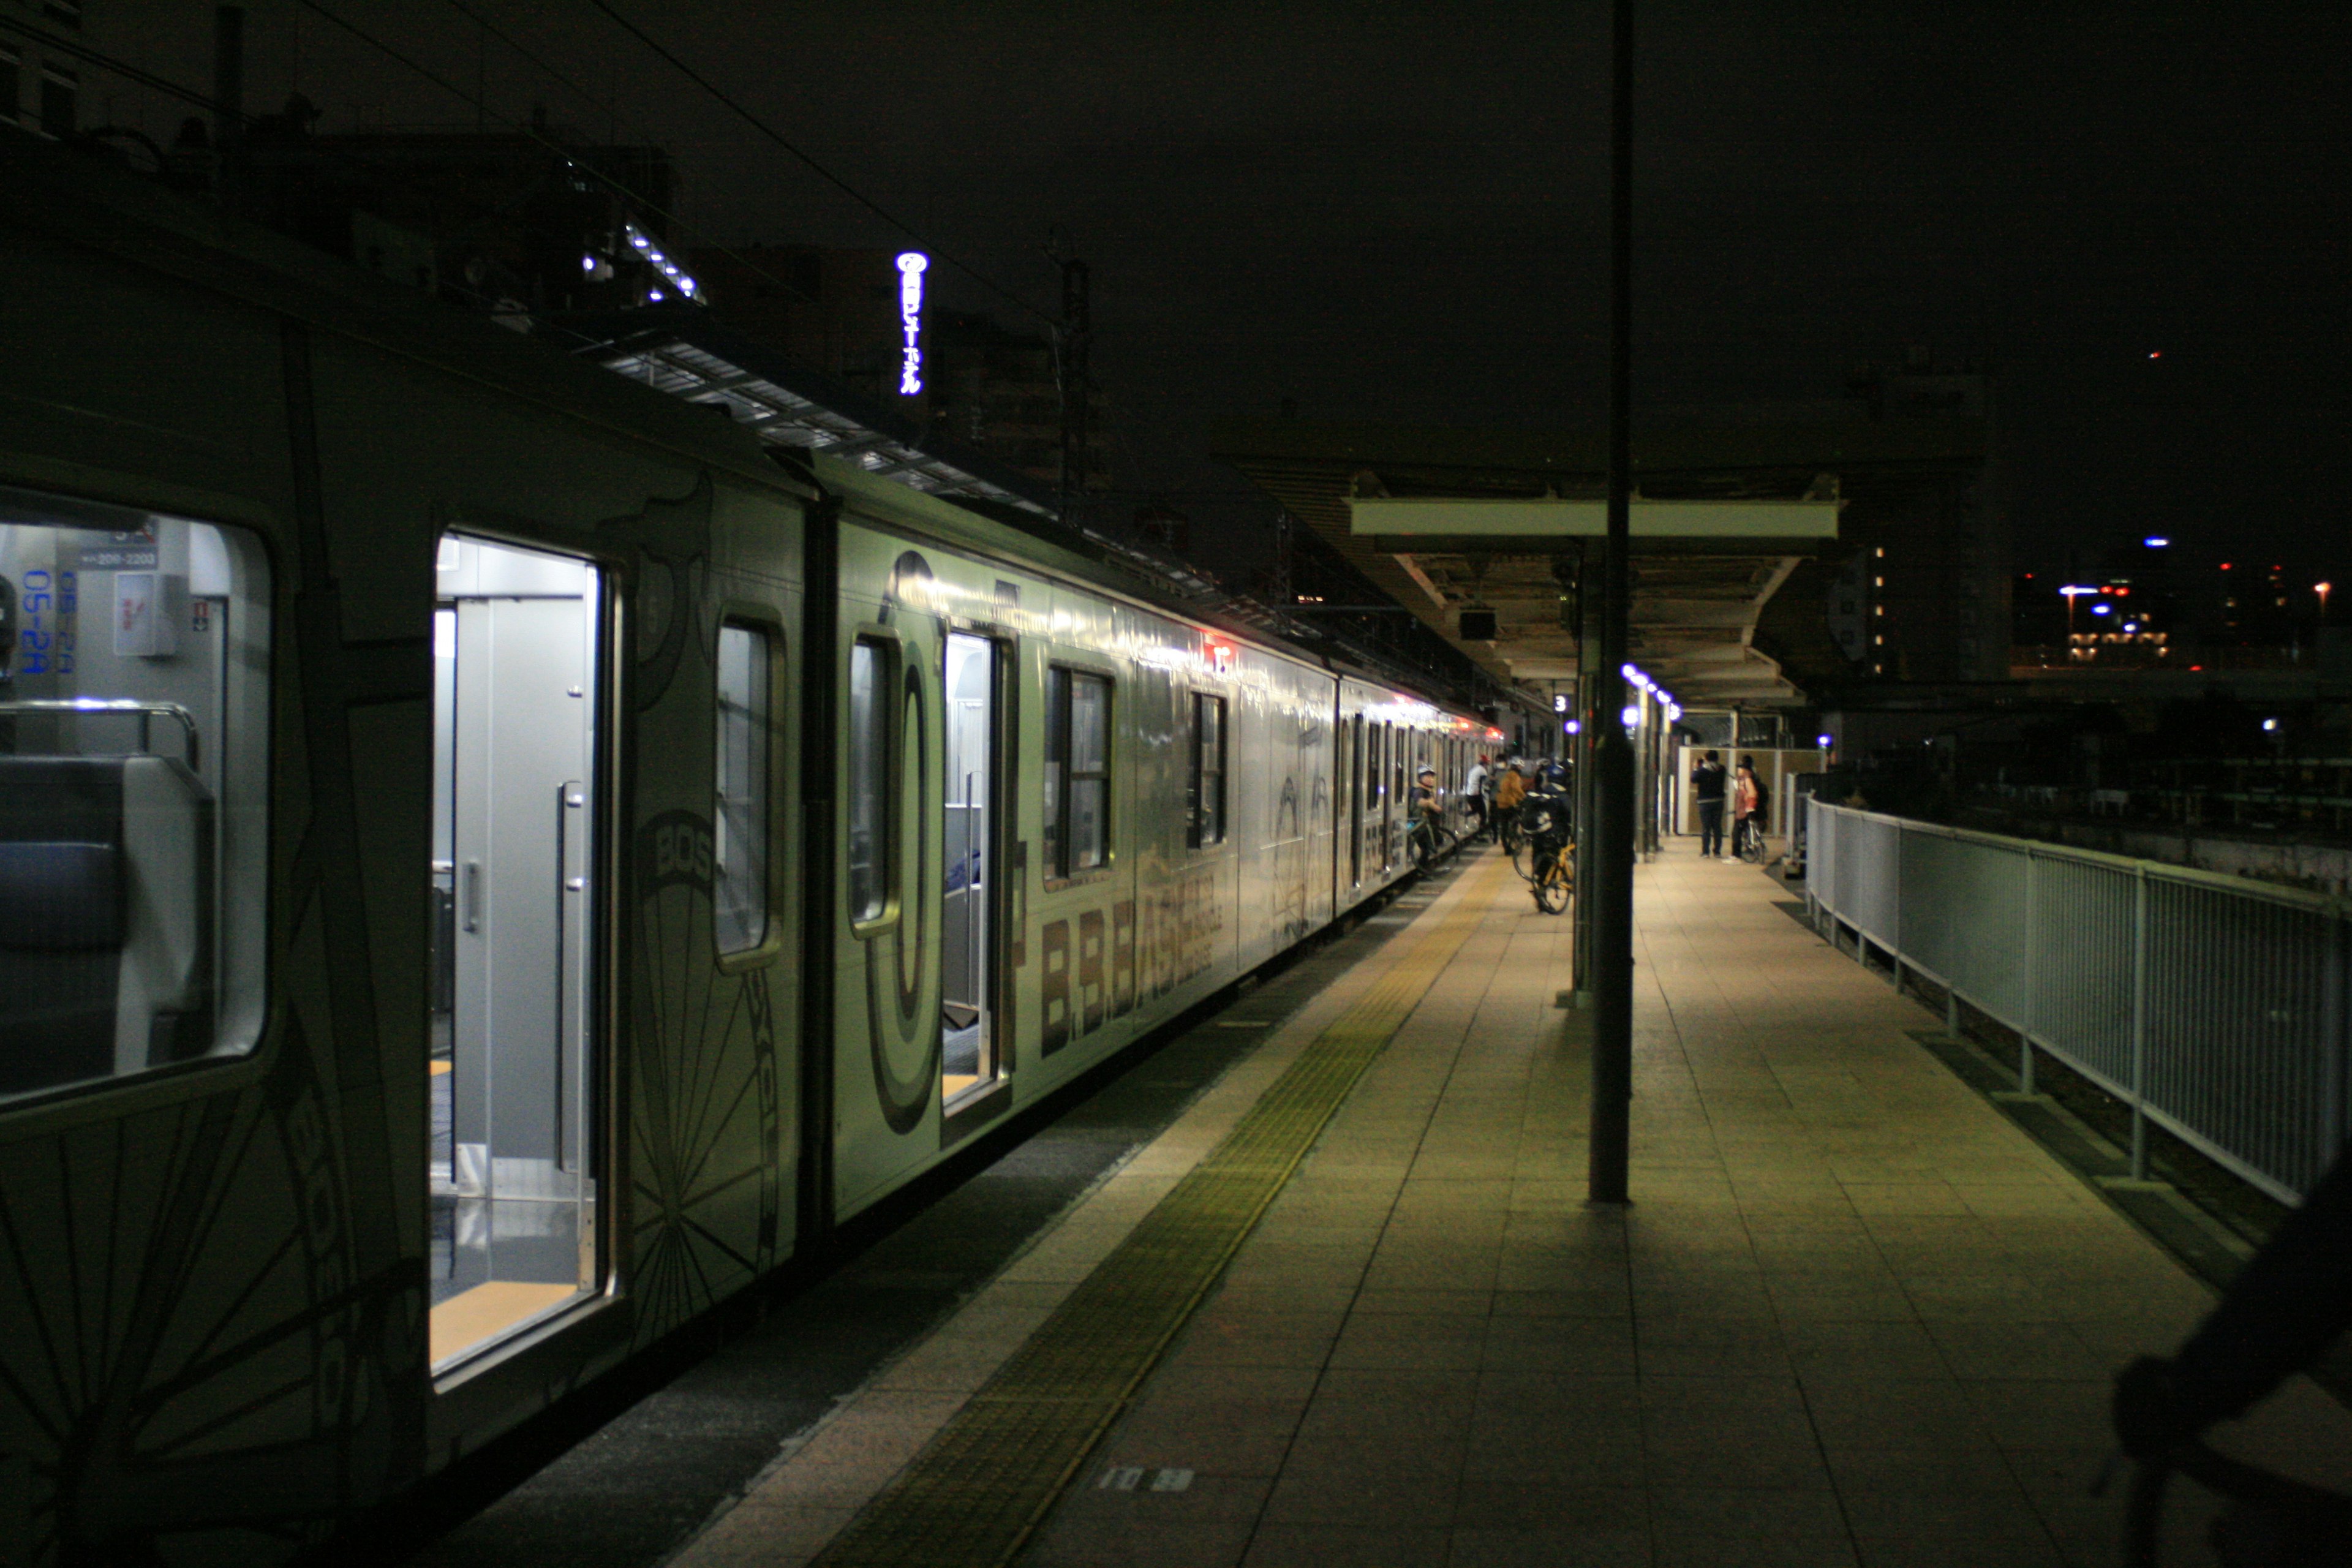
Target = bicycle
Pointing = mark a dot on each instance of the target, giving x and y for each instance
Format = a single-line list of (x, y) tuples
[(1426, 840), (1748, 841), (1550, 872), (2274, 1522)]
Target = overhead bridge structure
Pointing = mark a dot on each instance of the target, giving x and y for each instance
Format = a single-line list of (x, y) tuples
[(1449, 520)]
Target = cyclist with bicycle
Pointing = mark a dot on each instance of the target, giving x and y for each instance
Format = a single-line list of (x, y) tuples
[(1428, 821), (1547, 825), (2291, 1301), (1748, 799)]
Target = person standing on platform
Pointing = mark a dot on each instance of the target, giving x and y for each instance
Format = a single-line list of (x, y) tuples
[(1708, 780), (1509, 790), (1747, 808), (1474, 795)]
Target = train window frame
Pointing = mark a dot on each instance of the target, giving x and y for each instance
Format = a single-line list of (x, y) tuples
[(760, 621), (1058, 777), (1206, 783), (891, 651), (229, 770)]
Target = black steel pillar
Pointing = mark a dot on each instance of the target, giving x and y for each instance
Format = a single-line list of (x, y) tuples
[(1582, 745), (1613, 913)]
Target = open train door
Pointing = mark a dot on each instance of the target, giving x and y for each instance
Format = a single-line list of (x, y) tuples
[(516, 674)]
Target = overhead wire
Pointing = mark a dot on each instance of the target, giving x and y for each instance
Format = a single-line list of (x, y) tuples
[(584, 94), (836, 181)]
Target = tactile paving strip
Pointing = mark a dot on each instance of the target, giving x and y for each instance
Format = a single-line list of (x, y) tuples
[(973, 1496)]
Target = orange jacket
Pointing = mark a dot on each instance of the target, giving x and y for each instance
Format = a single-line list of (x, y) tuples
[(1511, 790)]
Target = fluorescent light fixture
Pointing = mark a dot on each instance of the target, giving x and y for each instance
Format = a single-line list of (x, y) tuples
[(1574, 726), (1632, 716), (2156, 541), (2101, 609), (1825, 742)]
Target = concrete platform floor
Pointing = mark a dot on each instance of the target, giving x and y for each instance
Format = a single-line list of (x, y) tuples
[(1853, 1317)]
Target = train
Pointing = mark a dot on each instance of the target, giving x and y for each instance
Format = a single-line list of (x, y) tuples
[(495, 861)]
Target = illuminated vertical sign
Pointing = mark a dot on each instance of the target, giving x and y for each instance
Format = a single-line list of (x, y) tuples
[(911, 321)]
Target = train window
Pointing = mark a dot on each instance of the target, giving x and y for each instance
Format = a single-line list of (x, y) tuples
[(870, 670), (1207, 825), (1078, 772), (134, 701), (739, 860)]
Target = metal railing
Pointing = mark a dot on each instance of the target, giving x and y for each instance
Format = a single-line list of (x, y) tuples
[(2212, 1006)]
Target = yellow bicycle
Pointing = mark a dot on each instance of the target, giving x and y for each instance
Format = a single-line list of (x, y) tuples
[(1550, 873)]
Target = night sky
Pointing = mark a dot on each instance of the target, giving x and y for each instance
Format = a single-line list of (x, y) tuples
[(1398, 212)]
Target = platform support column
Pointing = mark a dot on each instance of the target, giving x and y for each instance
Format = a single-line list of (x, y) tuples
[(1612, 945), (1583, 745)]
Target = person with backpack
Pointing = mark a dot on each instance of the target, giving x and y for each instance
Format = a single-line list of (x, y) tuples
[(1509, 791), (1475, 788)]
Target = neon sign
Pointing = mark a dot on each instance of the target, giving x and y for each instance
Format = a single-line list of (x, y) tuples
[(910, 320)]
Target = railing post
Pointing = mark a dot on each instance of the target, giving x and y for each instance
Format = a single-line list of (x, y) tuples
[(2335, 1043), (2139, 1024), (2031, 1009)]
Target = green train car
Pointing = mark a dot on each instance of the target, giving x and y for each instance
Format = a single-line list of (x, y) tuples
[(492, 862)]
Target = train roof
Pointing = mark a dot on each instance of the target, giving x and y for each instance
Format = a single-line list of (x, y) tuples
[(90, 203)]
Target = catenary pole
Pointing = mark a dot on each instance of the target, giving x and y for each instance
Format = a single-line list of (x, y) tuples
[(1612, 945)]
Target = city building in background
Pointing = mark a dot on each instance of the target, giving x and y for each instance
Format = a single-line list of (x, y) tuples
[(40, 81)]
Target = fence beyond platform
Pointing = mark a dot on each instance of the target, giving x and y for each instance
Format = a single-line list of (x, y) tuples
[(2212, 1006)]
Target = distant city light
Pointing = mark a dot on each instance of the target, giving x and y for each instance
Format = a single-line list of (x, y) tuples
[(2156, 353), (2269, 726), (1574, 726), (1825, 742), (1632, 716), (587, 264), (2101, 609), (2156, 541), (2225, 566), (911, 321), (2073, 589)]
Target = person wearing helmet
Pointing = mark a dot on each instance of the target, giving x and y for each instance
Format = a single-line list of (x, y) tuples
[(1427, 812), (1509, 790)]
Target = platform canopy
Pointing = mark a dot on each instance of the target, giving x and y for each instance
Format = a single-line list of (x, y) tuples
[(1702, 527), (1444, 519)]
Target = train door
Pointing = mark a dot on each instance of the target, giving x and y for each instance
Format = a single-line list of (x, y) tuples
[(1387, 796), (1354, 796), (970, 919), (517, 672)]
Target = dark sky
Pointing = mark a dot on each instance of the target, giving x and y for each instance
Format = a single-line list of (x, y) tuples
[(1398, 212)]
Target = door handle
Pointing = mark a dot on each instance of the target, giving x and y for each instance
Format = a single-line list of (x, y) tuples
[(473, 895)]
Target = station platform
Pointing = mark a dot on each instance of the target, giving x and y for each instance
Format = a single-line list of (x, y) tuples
[(1349, 1306)]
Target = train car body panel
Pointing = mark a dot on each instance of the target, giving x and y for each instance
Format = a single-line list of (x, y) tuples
[(418, 1026)]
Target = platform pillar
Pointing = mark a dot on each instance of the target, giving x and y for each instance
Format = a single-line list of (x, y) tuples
[(1613, 914)]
